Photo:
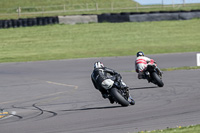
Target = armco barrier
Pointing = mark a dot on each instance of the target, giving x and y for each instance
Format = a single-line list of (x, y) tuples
[(77, 19)]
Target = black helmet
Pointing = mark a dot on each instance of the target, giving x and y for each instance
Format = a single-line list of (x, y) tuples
[(98, 64), (140, 53)]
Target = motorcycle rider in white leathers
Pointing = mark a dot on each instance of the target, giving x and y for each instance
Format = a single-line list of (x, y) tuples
[(103, 79), (141, 64)]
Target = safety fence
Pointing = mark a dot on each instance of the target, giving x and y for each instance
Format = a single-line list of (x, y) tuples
[(107, 17)]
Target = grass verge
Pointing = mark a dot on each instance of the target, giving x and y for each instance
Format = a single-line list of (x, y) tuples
[(181, 68), (175, 68), (98, 40), (179, 129)]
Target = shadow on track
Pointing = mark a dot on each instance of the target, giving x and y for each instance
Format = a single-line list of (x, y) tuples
[(94, 108), (140, 88)]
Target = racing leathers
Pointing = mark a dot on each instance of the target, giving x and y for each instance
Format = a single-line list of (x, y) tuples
[(103, 79), (99, 75), (141, 64)]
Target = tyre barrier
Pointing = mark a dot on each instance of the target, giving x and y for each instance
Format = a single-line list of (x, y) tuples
[(47, 20), (115, 17), (1, 24), (106, 17), (149, 16), (14, 23), (7, 23), (26, 22), (154, 17)]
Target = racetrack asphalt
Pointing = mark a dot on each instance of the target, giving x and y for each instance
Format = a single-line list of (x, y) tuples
[(58, 97)]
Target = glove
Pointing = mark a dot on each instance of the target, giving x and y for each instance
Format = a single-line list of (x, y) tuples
[(118, 77)]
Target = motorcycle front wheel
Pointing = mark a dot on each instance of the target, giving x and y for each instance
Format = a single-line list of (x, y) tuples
[(116, 94)]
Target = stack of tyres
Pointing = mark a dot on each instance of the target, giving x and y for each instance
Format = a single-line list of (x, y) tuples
[(50, 20), (45, 21), (23, 22), (14, 23), (19, 23), (197, 10), (31, 22), (6, 24), (42, 21), (1, 24), (113, 17), (55, 20), (39, 21)]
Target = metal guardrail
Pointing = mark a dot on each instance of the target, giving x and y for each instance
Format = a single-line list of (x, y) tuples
[(88, 7)]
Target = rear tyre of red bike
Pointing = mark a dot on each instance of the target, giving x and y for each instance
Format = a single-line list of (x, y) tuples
[(158, 80)]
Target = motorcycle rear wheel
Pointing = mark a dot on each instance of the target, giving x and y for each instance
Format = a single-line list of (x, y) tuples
[(159, 81), (115, 93)]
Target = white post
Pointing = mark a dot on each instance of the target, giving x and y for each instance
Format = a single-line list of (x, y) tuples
[(97, 7), (137, 7), (183, 2), (173, 3), (198, 59), (87, 7), (19, 11), (112, 6), (64, 7)]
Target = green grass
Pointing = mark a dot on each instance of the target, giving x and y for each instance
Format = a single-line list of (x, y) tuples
[(175, 68), (10, 6), (98, 40), (188, 129), (29, 3), (180, 68)]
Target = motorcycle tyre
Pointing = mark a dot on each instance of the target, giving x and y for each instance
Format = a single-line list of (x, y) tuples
[(159, 82), (118, 97)]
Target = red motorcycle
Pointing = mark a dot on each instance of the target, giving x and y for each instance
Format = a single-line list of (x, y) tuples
[(154, 74)]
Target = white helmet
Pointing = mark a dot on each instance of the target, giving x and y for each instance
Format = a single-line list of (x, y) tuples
[(98, 65)]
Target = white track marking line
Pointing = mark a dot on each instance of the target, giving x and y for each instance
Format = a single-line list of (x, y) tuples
[(61, 84)]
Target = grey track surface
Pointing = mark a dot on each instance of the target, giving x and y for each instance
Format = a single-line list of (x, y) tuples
[(58, 97)]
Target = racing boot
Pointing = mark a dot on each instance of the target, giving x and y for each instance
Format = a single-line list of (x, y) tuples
[(130, 100), (105, 95), (111, 100)]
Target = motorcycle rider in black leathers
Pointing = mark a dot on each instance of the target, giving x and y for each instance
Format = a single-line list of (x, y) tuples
[(102, 77)]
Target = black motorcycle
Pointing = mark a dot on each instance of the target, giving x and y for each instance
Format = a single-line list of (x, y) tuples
[(154, 74), (119, 93)]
